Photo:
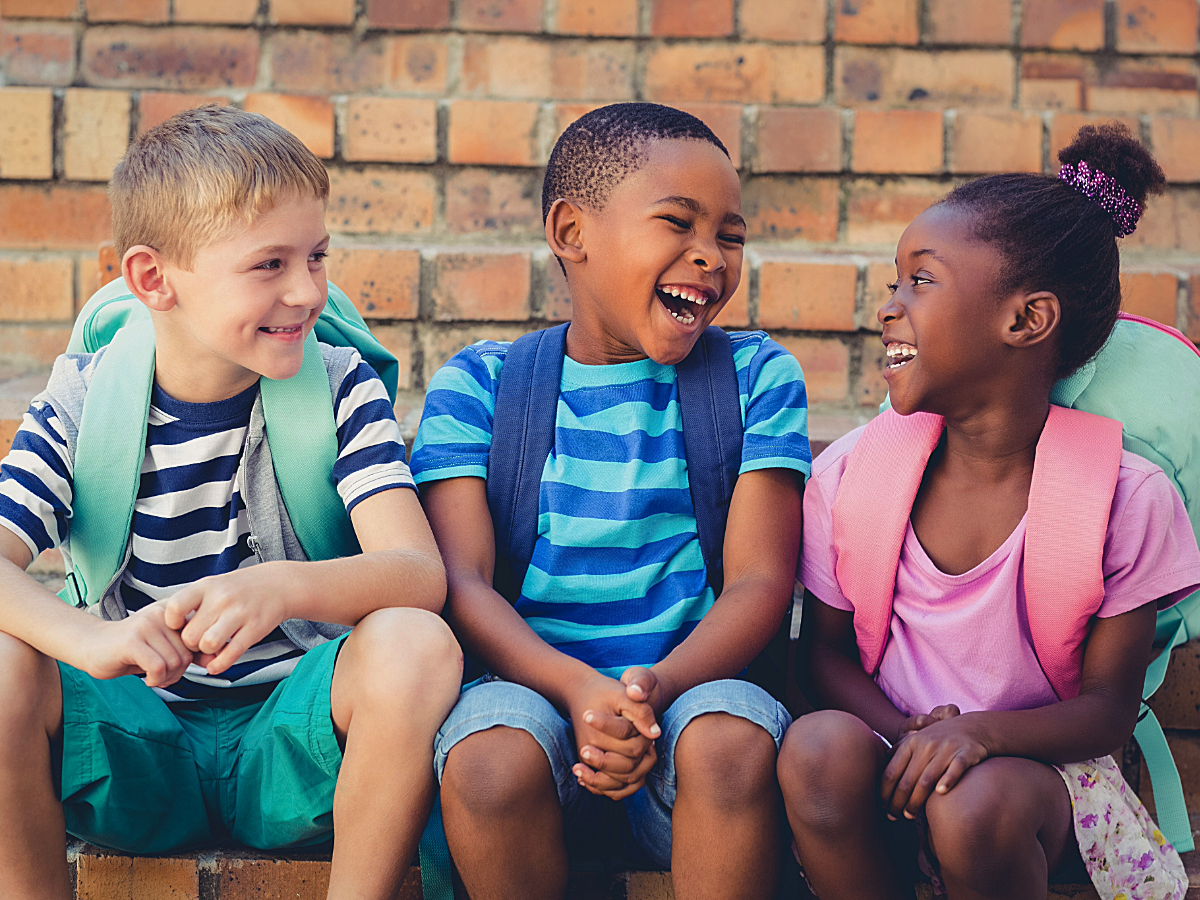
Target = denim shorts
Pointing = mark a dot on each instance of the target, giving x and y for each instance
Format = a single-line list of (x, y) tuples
[(492, 703)]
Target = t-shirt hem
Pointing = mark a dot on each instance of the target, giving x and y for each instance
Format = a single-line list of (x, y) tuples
[(379, 489), (20, 532), (1175, 586), (451, 470), (776, 462)]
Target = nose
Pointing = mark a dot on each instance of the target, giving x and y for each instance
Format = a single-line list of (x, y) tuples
[(889, 312), (708, 256), (307, 289)]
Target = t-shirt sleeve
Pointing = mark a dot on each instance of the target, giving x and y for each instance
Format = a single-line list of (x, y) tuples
[(35, 481), (818, 561), (1150, 551), (370, 448), (455, 435), (776, 407)]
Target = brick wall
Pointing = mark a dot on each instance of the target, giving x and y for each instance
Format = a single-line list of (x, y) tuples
[(845, 118)]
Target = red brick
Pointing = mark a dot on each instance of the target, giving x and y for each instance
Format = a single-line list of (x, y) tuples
[(1000, 141), (783, 20), (54, 216), (258, 879), (311, 12), (39, 9), (978, 22), (787, 209), (1051, 93), (500, 15), (871, 387), (33, 346), (1063, 24), (879, 275), (398, 340), (592, 70), (736, 313), (807, 295), (558, 294), (37, 52), (316, 62), (38, 290), (566, 113), (390, 129), (1150, 294), (489, 132), (417, 64), (156, 107), (826, 365), (482, 286), (1064, 127), (408, 14), (729, 72), (1146, 85), (1186, 207), (1177, 147), (878, 213), (1193, 310), (383, 283), (876, 22), (923, 79), (897, 141), (216, 12), (796, 139), (691, 18), (382, 201), (107, 876), (108, 266), (95, 133), (1157, 26), (179, 58), (484, 201), (439, 344), (521, 67), (618, 18), (26, 133), (309, 118), (725, 120), (127, 10)]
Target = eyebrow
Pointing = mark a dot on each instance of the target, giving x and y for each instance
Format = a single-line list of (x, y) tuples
[(698, 208), (280, 248), (926, 252)]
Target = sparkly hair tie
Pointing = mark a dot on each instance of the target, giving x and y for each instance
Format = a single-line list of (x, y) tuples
[(1105, 191)]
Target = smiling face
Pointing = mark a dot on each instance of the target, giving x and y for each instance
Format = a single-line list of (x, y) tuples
[(655, 266)]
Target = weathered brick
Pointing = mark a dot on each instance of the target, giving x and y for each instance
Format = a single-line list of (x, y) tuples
[(398, 340), (408, 14), (1177, 147), (257, 879), (390, 129), (37, 52), (897, 141), (1192, 325), (876, 22), (922, 78), (592, 70), (378, 200), (127, 10), (826, 365), (880, 274), (308, 117), (558, 295), (618, 18), (1063, 24), (782, 209), (155, 107), (1146, 85), (54, 216), (725, 120), (783, 20), (33, 346), (1186, 203), (878, 213), (492, 132), (39, 9), (1051, 93), (500, 15), (1150, 294), (383, 283), (798, 139), (871, 388), (482, 286), (999, 141), (736, 313), (488, 202), (1064, 127), (567, 113), (417, 64), (216, 12), (439, 344), (1157, 26), (978, 22), (37, 290), (807, 295), (522, 67), (729, 72), (311, 12), (106, 876), (180, 58), (95, 133), (691, 18), (316, 62), (26, 133)]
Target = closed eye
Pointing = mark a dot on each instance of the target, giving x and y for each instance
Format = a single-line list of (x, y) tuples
[(733, 238), (678, 223)]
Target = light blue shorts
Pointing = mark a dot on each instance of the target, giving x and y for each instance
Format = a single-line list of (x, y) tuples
[(492, 703)]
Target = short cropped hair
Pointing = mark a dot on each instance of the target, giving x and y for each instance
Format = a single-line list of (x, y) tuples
[(185, 183), (601, 149)]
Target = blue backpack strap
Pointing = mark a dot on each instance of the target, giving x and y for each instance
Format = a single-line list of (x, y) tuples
[(522, 438)]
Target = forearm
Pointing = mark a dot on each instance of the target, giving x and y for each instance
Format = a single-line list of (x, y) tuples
[(37, 616), (1093, 724), (832, 680)]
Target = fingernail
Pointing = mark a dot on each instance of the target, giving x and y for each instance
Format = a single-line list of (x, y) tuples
[(588, 717), (655, 730), (908, 815), (892, 818)]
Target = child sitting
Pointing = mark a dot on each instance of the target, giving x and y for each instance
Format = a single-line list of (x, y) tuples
[(980, 704), (244, 700), (619, 669)]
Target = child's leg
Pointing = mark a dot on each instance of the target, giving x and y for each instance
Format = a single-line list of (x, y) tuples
[(1001, 830), (33, 859), (829, 769)]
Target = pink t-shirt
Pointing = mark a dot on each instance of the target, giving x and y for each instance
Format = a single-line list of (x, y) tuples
[(961, 638)]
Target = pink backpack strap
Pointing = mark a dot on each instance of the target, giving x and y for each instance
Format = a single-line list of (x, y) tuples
[(1074, 477), (870, 517)]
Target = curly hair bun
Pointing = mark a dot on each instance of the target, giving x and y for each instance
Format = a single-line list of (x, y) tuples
[(1111, 149)]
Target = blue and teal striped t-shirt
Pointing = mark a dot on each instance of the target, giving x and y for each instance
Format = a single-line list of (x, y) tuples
[(617, 577)]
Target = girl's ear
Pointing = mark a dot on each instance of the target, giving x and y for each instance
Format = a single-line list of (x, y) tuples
[(1033, 319), (144, 274), (564, 231)]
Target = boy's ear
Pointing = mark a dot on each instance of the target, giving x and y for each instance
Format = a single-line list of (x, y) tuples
[(144, 274), (564, 231), (1034, 317)]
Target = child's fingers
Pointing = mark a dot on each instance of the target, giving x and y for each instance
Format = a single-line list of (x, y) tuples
[(596, 782), (612, 763), (613, 726), (949, 711), (894, 769), (238, 644), (179, 606), (639, 683), (954, 773), (924, 786), (642, 717)]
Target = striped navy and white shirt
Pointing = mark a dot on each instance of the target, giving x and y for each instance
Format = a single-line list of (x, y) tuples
[(189, 520)]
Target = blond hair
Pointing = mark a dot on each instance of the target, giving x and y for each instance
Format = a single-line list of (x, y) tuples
[(190, 180)]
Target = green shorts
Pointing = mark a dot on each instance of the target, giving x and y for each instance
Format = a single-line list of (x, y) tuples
[(145, 776)]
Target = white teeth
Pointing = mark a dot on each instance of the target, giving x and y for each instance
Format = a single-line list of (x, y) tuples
[(674, 292)]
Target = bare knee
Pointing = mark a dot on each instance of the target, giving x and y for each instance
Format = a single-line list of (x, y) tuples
[(492, 775), (828, 767), (404, 654), (726, 760)]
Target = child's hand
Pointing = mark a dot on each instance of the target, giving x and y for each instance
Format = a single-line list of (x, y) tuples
[(221, 617), (916, 723), (614, 736), (932, 758), (142, 643), (644, 685)]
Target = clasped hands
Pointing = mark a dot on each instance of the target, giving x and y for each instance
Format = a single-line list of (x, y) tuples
[(931, 755)]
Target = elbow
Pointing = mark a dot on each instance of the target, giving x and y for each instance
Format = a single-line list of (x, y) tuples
[(436, 591)]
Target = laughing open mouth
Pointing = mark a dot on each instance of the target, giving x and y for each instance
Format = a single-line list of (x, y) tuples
[(682, 302), (900, 355)]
